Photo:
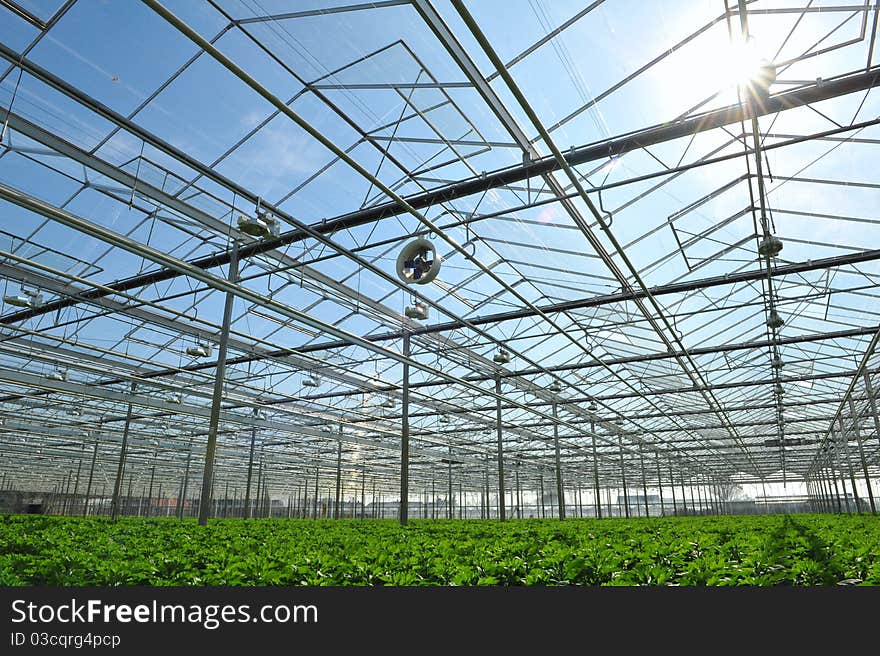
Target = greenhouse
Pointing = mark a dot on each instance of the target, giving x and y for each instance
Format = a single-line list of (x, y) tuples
[(342, 272)]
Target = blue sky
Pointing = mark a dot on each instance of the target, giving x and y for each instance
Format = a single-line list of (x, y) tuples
[(121, 52)]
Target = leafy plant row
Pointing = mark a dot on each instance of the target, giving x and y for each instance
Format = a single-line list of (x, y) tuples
[(687, 551)]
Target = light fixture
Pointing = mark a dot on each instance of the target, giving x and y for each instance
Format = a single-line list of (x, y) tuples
[(199, 350), (27, 299), (771, 246), (779, 389), (175, 397), (774, 320), (418, 262), (58, 374), (311, 381), (388, 403), (555, 387), (417, 311), (263, 225), (444, 419), (75, 412), (502, 356), (776, 362), (592, 406)]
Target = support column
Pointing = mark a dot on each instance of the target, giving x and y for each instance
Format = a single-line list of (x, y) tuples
[(338, 476), (858, 432), (114, 504), (250, 471), (596, 491), (363, 490), (684, 494), (672, 485), (623, 477), (560, 489), (844, 440), (150, 494), (872, 400), (449, 484), (826, 490), (660, 487), (315, 500), (404, 437), (644, 480), (502, 515), (486, 470), (217, 398), (519, 509), (76, 484), (258, 500), (541, 480), (836, 489), (182, 503)]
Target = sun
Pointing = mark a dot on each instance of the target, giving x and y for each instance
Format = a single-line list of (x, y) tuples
[(741, 63)]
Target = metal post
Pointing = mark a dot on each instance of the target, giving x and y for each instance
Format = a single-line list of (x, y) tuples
[(684, 496), (623, 476), (250, 471), (597, 492), (404, 436), (518, 493), (873, 401), (560, 489), (449, 484), (858, 432), (185, 482), (660, 487), (836, 489), (460, 499), (150, 495), (541, 479), (66, 486), (363, 489), (829, 494), (315, 500), (76, 484), (258, 499), (338, 476), (217, 398), (672, 485), (486, 485), (644, 480), (852, 476), (121, 466), (823, 495), (833, 499), (126, 507), (502, 515)]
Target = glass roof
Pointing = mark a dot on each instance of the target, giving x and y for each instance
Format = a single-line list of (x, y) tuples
[(667, 218)]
